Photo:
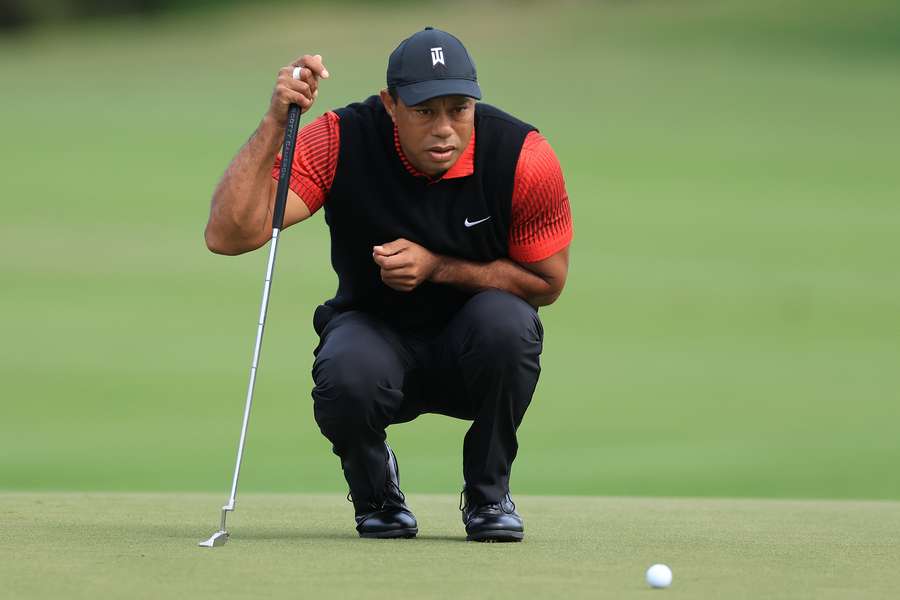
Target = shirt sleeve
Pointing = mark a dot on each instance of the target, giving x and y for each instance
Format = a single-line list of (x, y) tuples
[(541, 218), (315, 160)]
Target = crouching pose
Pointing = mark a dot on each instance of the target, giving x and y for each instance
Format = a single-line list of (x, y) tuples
[(450, 226)]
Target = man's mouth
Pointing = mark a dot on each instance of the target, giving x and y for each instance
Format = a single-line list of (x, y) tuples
[(441, 153)]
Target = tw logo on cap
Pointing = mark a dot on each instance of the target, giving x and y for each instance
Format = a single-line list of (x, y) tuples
[(437, 57)]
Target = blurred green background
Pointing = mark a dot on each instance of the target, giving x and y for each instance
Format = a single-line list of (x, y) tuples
[(731, 325)]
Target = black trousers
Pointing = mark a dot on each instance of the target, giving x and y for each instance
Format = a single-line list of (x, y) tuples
[(483, 366)]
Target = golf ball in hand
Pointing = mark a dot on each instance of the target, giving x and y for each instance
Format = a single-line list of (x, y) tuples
[(659, 576)]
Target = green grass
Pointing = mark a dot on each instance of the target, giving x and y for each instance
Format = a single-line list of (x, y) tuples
[(144, 546), (732, 322)]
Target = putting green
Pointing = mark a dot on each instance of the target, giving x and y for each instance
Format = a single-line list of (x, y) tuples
[(144, 546)]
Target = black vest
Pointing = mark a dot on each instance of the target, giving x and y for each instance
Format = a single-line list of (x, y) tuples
[(375, 200)]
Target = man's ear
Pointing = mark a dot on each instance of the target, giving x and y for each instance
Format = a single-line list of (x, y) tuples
[(389, 105)]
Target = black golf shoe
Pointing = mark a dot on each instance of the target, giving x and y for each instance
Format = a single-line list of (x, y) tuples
[(494, 522), (390, 517)]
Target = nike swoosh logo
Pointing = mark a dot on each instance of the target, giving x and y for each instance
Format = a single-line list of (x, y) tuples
[(473, 223)]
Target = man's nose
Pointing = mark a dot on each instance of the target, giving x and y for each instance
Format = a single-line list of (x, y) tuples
[(443, 127)]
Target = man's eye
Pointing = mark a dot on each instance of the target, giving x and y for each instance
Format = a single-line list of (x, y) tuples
[(423, 111)]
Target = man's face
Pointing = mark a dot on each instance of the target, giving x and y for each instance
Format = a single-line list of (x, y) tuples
[(433, 134)]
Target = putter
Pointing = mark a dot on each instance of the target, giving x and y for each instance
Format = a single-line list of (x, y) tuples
[(287, 155)]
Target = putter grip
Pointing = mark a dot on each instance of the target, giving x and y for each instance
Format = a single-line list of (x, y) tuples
[(287, 158)]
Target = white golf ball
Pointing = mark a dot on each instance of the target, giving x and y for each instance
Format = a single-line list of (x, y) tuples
[(659, 576)]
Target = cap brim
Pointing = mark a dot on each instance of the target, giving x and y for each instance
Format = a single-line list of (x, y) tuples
[(417, 93)]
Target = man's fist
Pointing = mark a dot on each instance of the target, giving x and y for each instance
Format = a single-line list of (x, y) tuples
[(302, 92), (404, 264)]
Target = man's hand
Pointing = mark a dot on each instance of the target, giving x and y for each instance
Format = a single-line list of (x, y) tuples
[(302, 92), (404, 264)]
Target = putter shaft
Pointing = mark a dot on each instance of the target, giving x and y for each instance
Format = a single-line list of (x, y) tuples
[(287, 153)]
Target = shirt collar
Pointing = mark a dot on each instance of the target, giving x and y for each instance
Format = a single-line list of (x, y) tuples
[(463, 167)]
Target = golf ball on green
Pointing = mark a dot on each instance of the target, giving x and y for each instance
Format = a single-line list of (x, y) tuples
[(659, 576)]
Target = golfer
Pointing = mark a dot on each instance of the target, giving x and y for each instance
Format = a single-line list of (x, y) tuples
[(450, 226)]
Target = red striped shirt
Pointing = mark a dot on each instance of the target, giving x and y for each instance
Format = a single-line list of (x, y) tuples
[(541, 218)]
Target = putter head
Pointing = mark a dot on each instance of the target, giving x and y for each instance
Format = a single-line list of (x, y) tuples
[(217, 539)]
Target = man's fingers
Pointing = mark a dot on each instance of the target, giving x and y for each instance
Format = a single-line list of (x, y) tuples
[(298, 83), (397, 261), (401, 283), (391, 278), (309, 78), (299, 99), (391, 247), (290, 96), (306, 82), (304, 87), (318, 67), (313, 63), (391, 262), (295, 91)]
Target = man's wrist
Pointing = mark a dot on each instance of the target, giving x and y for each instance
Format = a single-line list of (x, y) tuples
[(439, 272), (270, 133)]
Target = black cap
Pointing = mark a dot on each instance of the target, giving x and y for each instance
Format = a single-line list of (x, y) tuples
[(432, 63)]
